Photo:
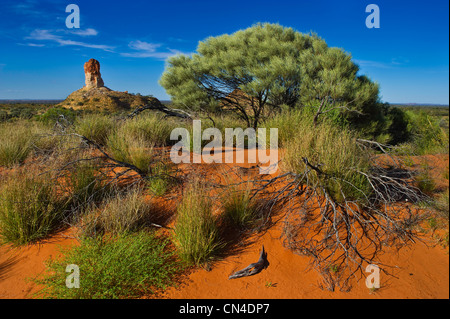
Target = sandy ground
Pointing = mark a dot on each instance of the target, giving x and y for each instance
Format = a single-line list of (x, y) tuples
[(19, 265), (419, 271)]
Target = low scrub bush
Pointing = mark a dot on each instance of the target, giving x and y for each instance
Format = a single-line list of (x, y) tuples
[(51, 116), (287, 122), (425, 181), (441, 203), (427, 137), (85, 184), (119, 267)]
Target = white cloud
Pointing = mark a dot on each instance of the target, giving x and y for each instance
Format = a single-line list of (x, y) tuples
[(399, 61), (395, 62), (85, 32), (144, 46), (46, 35), (373, 64), (148, 50), (43, 35), (32, 44)]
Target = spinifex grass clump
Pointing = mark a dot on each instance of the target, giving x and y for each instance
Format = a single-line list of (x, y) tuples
[(85, 183), (29, 208), (124, 212), (131, 148), (333, 156), (161, 179), (196, 230), (240, 208), (15, 143), (124, 266), (151, 128), (95, 127)]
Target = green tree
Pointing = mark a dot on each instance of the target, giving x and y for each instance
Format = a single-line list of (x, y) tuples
[(267, 66), (330, 83)]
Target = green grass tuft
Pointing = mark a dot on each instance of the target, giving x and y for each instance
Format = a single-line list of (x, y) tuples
[(15, 143), (196, 231), (130, 148), (240, 209), (30, 209), (96, 127)]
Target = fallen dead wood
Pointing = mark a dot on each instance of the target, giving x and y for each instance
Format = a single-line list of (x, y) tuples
[(254, 268)]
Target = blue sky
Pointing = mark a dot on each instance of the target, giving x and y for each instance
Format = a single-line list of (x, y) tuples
[(40, 58)]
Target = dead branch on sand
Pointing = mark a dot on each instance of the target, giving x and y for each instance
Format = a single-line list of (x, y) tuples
[(343, 234), (253, 268)]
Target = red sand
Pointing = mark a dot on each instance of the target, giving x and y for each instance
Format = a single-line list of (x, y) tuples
[(420, 271), (18, 265)]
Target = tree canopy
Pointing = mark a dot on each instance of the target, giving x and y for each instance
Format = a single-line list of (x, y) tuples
[(266, 66)]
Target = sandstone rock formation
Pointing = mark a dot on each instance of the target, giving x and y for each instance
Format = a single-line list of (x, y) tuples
[(95, 96), (92, 74)]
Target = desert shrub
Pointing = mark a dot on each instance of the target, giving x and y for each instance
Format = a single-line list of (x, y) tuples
[(240, 208), (29, 208), (131, 148), (52, 115), (335, 152), (95, 127), (4, 116), (196, 230), (15, 143), (125, 266), (398, 126), (20, 139), (426, 134), (44, 140), (22, 112)]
